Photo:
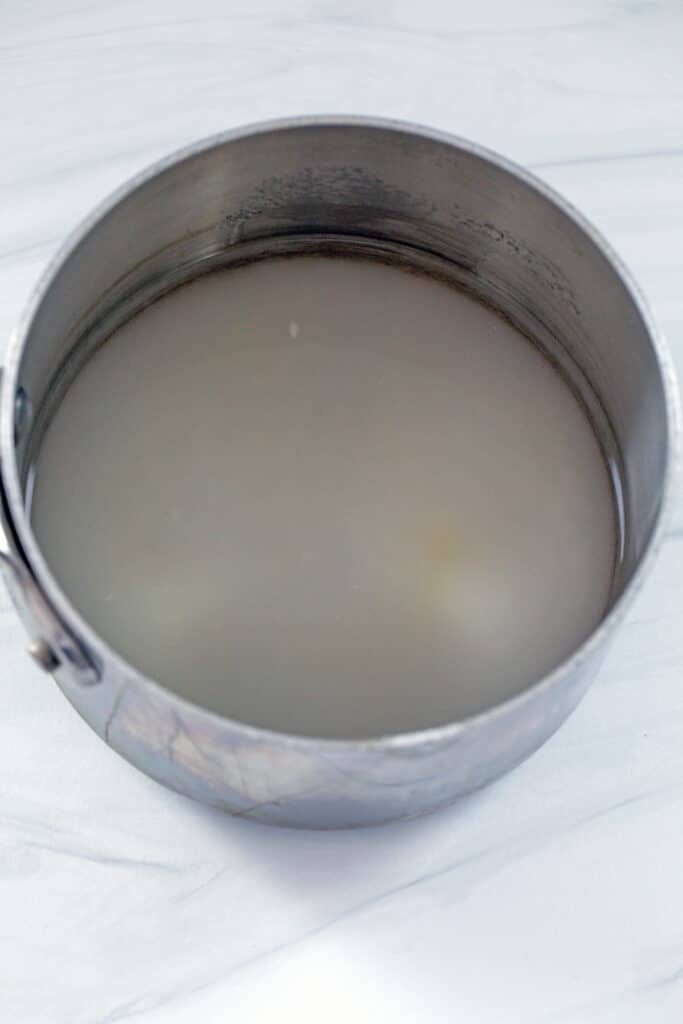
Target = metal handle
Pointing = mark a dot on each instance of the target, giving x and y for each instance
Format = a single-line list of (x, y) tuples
[(52, 645)]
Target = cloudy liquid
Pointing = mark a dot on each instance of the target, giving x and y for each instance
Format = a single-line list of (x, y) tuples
[(327, 496)]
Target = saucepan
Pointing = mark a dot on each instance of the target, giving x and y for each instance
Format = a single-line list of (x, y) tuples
[(337, 185)]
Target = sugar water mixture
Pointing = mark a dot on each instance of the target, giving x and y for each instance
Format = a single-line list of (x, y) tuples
[(327, 496)]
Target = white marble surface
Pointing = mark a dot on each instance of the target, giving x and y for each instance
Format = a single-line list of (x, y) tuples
[(554, 896)]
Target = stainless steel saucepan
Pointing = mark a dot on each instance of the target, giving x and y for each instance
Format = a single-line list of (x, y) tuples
[(346, 185)]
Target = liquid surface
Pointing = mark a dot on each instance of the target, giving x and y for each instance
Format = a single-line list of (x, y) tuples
[(329, 497)]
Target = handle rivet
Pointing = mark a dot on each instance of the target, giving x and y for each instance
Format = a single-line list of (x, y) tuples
[(43, 655)]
